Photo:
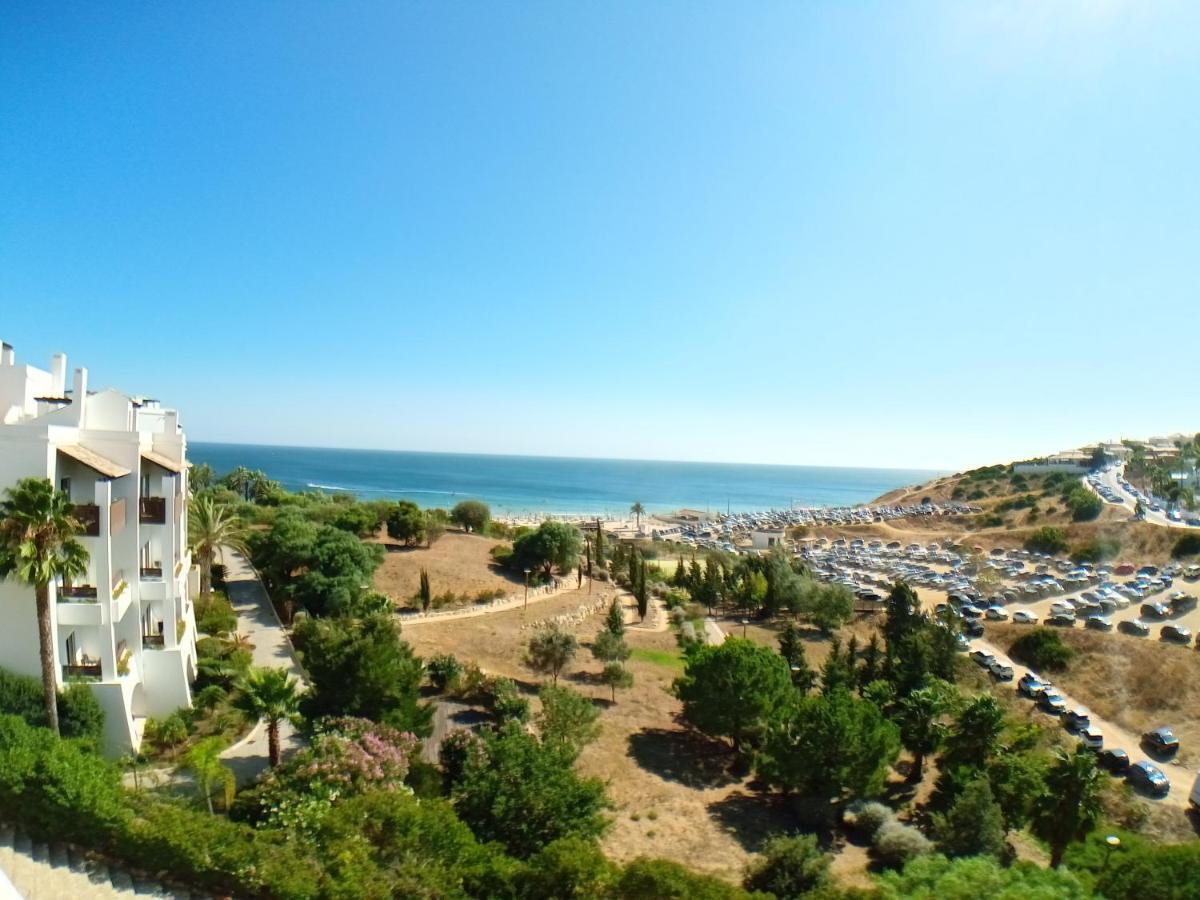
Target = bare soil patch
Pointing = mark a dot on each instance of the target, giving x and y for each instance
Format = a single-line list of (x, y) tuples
[(459, 562)]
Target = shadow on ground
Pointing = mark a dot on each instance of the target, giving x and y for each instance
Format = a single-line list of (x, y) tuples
[(752, 818), (683, 757)]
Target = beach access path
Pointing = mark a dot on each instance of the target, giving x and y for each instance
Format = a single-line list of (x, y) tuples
[(566, 584)]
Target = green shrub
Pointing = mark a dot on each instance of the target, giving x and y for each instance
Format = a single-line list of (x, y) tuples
[(897, 843), (1042, 649), (660, 879), (1083, 504), (869, 817), (210, 696), (1188, 545), (1047, 539), (21, 695), (1097, 550), (215, 615), (444, 671), (81, 716), (169, 732), (505, 701), (789, 867)]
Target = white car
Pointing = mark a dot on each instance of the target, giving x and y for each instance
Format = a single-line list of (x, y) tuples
[(1025, 617), (996, 613), (1062, 607)]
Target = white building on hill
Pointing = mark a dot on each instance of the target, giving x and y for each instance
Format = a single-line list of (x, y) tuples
[(127, 628)]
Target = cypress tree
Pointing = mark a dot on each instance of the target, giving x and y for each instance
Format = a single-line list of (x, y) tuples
[(643, 596), (424, 593)]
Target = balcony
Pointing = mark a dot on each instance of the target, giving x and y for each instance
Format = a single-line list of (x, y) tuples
[(88, 515), (78, 593), (153, 641), (151, 573), (86, 670), (152, 510)]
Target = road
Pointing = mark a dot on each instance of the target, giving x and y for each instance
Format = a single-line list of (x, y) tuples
[(1111, 478)]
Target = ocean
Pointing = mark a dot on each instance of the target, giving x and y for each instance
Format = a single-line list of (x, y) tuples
[(530, 485)]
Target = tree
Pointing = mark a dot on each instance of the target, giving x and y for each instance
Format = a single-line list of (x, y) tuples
[(828, 746), (424, 595), (902, 619), (525, 794), (679, 579), (549, 651), (337, 572), (1047, 539), (361, 667), (637, 509), (921, 730), (270, 695), (38, 547), (1167, 871), (610, 647), (212, 528), (1071, 806), (471, 515), (789, 867), (552, 545), (203, 760), (641, 593), (974, 825), (830, 606), (1042, 649), (406, 523), (871, 669), (975, 734), (435, 526), (200, 477), (614, 620), (969, 878), (567, 720), (734, 690), (615, 675), (791, 648)]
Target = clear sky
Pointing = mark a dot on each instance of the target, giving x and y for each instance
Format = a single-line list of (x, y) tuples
[(911, 234)]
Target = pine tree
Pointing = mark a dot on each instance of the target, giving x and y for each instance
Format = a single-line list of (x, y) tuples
[(836, 674), (641, 592), (680, 578), (791, 648), (424, 592), (695, 579), (615, 620), (635, 561), (872, 663)]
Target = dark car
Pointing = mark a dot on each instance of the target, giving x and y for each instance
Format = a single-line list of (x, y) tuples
[(1176, 634), (1029, 684), (1161, 741), (1149, 778), (1098, 623), (1052, 703), (1154, 611), (973, 628), (1062, 620), (1134, 627), (1180, 605), (1114, 759)]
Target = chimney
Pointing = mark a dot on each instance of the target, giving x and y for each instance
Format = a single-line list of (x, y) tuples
[(58, 374), (79, 397), (7, 356)]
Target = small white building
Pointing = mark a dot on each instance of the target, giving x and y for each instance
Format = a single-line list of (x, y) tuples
[(126, 628), (766, 538)]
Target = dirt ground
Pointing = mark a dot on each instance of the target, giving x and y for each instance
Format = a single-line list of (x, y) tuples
[(458, 562)]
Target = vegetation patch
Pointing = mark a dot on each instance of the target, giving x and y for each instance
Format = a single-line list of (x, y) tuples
[(1042, 649)]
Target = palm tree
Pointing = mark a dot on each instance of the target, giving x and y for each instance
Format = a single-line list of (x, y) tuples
[(38, 546), (212, 528), (271, 695), (637, 509), (1071, 806), (920, 727), (204, 762)]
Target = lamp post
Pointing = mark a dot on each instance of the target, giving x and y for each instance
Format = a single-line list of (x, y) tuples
[(745, 622), (1111, 843), (526, 606)]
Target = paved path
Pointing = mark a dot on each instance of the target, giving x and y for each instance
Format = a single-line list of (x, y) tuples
[(272, 649), (713, 633), (566, 585)]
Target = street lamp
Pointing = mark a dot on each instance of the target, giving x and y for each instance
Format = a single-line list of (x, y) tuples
[(527, 571), (1111, 843), (745, 622)]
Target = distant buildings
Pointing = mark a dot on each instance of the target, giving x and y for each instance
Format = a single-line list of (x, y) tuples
[(127, 627)]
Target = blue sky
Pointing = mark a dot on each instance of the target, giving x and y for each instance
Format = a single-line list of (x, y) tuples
[(913, 234)]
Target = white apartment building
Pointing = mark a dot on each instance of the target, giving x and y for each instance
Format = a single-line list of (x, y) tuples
[(126, 628)]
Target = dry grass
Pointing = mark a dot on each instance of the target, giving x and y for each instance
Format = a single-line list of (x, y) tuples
[(458, 562), (1139, 685)]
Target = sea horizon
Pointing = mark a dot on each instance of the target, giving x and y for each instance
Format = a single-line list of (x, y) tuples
[(530, 485)]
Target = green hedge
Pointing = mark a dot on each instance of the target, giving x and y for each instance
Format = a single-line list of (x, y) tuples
[(79, 712)]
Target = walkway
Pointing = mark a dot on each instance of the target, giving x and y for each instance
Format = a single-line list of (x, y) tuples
[(272, 649), (566, 585)]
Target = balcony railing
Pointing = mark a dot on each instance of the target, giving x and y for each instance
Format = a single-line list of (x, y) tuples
[(152, 510), (87, 670), (156, 641), (88, 515), (78, 593), (152, 572)]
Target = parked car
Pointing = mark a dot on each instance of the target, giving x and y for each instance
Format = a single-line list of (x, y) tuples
[(1099, 623), (1115, 760), (1161, 741), (1134, 627), (996, 613), (1091, 737), (1181, 603), (1001, 671), (1148, 777), (1177, 634), (1030, 684), (1154, 611), (982, 659), (972, 628), (1061, 620), (1076, 718), (1052, 703), (1025, 617)]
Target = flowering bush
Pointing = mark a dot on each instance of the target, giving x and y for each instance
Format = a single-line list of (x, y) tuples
[(347, 757)]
